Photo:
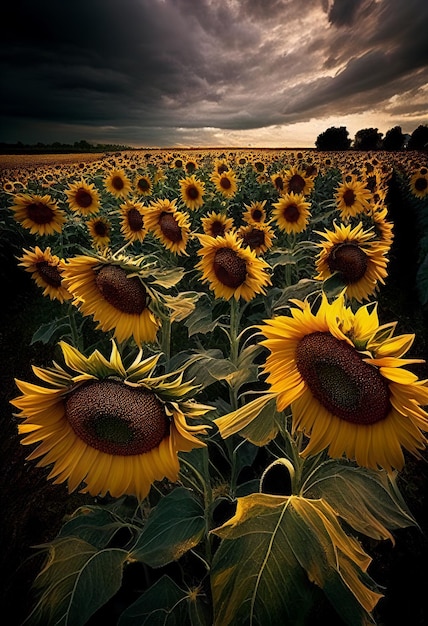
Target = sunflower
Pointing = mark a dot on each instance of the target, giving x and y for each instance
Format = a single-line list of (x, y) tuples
[(39, 214), (221, 166), (45, 269), (225, 183), (255, 213), (297, 181), (100, 230), (83, 198), (231, 269), (352, 197), (354, 254), (278, 181), (143, 185), (192, 192), (383, 227), (343, 376), (190, 166), (291, 213), (419, 184), (118, 183), (168, 224), (216, 224), (106, 427), (110, 289), (132, 222), (258, 237)]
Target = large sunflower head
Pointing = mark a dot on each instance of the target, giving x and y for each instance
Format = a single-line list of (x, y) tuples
[(297, 181), (39, 214), (344, 378), (83, 198), (232, 270), (115, 291), (117, 183), (352, 197), (143, 185), (291, 213), (255, 213), (100, 231), (356, 256), (419, 184), (106, 426), (258, 237), (192, 192), (216, 224), (132, 222), (45, 269), (225, 183), (168, 224)]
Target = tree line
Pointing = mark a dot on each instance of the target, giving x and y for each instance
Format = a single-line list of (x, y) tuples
[(59, 148), (337, 138)]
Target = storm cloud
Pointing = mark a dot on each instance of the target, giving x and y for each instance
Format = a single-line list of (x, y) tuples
[(179, 72)]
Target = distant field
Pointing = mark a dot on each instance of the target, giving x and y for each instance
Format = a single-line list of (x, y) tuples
[(9, 161)]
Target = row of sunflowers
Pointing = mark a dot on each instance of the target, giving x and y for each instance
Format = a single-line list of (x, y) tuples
[(215, 316)]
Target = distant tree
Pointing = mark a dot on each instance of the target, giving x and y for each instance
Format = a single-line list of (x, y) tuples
[(394, 139), (368, 139), (419, 138), (334, 138)]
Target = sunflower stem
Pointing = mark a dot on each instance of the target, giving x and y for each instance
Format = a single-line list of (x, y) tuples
[(234, 348), (166, 337), (75, 335)]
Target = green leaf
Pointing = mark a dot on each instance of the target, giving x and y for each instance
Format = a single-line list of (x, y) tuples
[(175, 525), (301, 290), (368, 500), (201, 321), (334, 285), (56, 329), (77, 580), (163, 604), (257, 420), (94, 525), (288, 545)]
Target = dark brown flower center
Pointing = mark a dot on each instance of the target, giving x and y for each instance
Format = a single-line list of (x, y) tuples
[(291, 213), (279, 183), (348, 197), (192, 192), (229, 268), (49, 273), (339, 379), (127, 295), (143, 184), (225, 182), (83, 198), (170, 227), (257, 215), (222, 168), (348, 259), (101, 228), (190, 166), (116, 419), (135, 220), (421, 184), (254, 238), (117, 183), (217, 229), (296, 183), (40, 213)]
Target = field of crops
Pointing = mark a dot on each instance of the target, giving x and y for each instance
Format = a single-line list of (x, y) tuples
[(215, 386)]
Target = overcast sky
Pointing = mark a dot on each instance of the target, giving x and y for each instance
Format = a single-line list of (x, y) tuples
[(164, 73)]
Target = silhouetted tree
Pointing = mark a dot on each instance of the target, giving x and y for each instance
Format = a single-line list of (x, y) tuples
[(368, 139), (419, 138), (394, 139), (334, 138)]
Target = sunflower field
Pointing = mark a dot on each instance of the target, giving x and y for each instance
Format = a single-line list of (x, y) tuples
[(215, 388)]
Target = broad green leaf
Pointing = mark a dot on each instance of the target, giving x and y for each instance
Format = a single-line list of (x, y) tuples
[(201, 319), (175, 525), (256, 421), (367, 500), (95, 525), (52, 330), (77, 580), (163, 604), (301, 290), (333, 285), (274, 550)]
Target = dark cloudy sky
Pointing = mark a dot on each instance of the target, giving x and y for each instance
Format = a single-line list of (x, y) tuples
[(210, 72)]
